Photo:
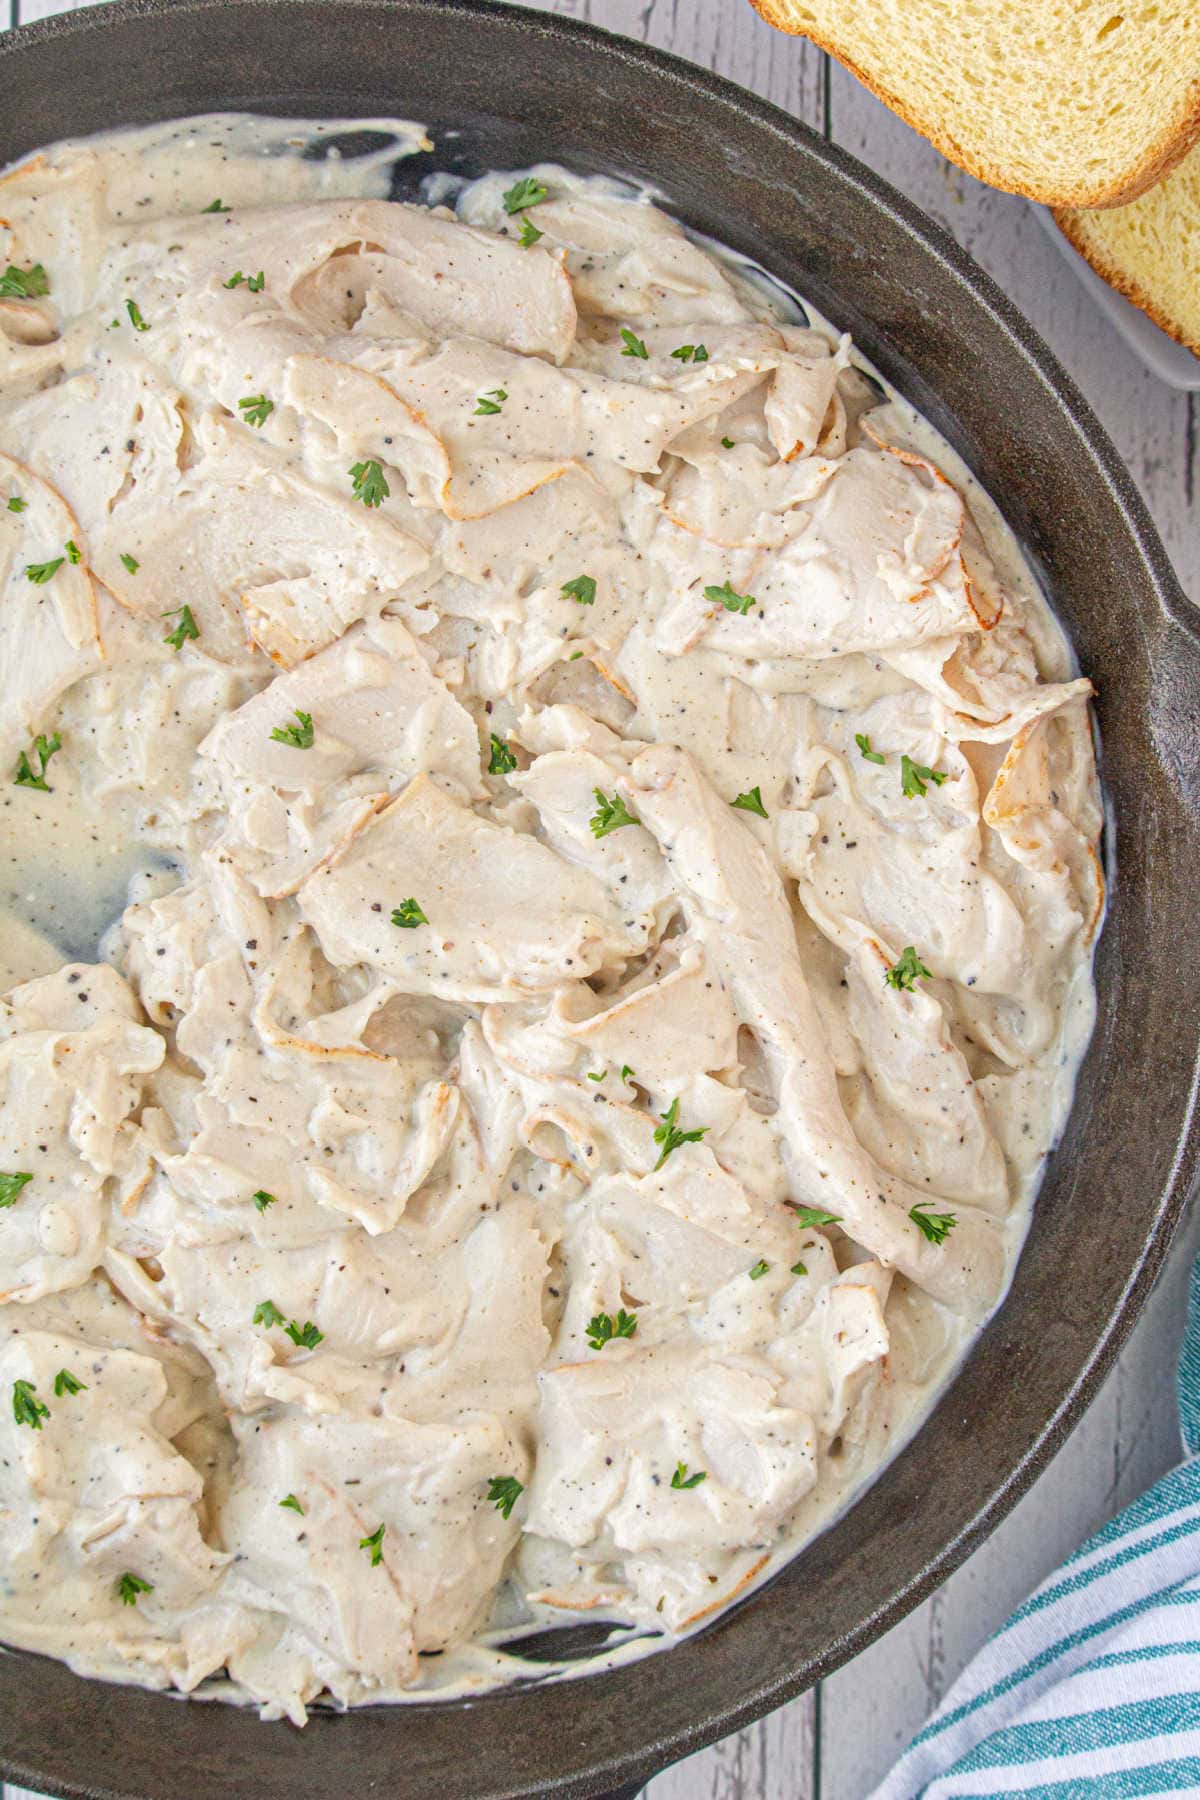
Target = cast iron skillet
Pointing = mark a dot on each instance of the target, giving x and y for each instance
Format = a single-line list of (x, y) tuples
[(514, 87)]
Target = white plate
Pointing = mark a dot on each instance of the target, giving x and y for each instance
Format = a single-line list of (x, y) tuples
[(1171, 362)]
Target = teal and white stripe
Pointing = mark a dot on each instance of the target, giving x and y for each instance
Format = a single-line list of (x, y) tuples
[(1091, 1691)]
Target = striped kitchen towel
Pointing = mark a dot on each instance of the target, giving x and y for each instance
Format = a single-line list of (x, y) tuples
[(1092, 1688)]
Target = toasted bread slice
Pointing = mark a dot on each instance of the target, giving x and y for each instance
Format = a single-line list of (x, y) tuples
[(1072, 102), (1150, 249)]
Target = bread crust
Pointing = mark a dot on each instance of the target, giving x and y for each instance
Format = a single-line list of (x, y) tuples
[(1125, 283), (1157, 159)]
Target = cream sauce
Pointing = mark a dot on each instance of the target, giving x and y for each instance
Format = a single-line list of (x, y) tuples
[(662, 701)]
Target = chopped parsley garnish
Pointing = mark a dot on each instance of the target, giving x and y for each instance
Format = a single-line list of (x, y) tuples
[(751, 802), (670, 1137), (186, 626), (583, 589), (370, 483), (759, 1270), (935, 1226), (408, 915), (865, 750), (633, 345), (40, 573), (306, 1336), (11, 1185), (909, 969), (529, 234), (292, 1504), (502, 760), (690, 353), (681, 1478), (811, 1216), (727, 443), (604, 1328), (268, 1314), (130, 1586), (491, 402), (299, 736), (262, 1200), (66, 1383), (626, 1072), (74, 553), (256, 409), (725, 596), (130, 562), (43, 749), (16, 504), (602, 1076), (503, 1492), (216, 206), (374, 1544), (27, 1408), (135, 316), (255, 283), (798, 1268), (529, 191), (914, 776), (24, 284), (610, 814)]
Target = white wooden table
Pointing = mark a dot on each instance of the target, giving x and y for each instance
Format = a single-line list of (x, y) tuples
[(835, 1742)]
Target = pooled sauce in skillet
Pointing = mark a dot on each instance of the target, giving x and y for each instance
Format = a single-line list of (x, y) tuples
[(550, 876)]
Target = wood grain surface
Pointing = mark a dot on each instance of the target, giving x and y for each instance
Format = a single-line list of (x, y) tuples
[(835, 1743)]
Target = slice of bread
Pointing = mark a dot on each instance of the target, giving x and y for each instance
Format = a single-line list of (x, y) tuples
[(1072, 102), (1150, 249)]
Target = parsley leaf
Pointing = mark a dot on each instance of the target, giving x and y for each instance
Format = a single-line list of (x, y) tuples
[(529, 191), (300, 736), (374, 1544), (751, 802), (27, 1408), (626, 1072), (131, 562), (40, 573), (491, 402), (16, 504), (865, 750), (292, 1504), (185, 628), (725, 596), (602, 1076), (306, 1336), (24, 284), (256, 409), (74, 553), (913, 777), (583, 589), (408, 915), (370, 483), (504, 1491), (66, 1383), (255, 283), (670, 1137), (502, 761), (633, 345), (681, 1478), (807, 1216), (609, 815), (603, 1328), (798, 1268), (262, 1200), (727, 443), (267, 1313), (907, 970), (135, 316), (216, 206), (11, 1185), (43, 749), (690, 353), (529, 234), (130, 1586), (759, 1270), (936, 1226)]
